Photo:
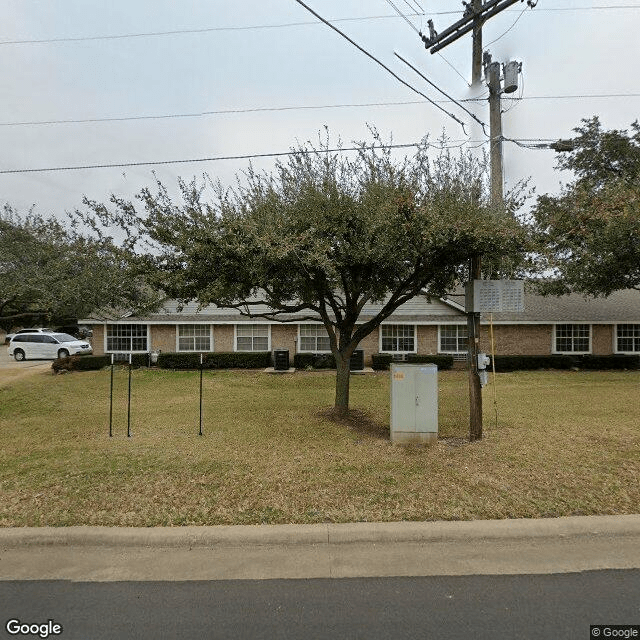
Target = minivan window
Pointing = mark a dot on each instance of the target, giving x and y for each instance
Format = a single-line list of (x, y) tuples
[(64, 337), (45, 339)]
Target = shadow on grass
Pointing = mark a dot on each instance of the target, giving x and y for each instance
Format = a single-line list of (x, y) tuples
[(358, 422)]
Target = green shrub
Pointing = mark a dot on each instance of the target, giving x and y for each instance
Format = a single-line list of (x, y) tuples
[(443, 362), (615, 361), (381, 361), (234, 360), (81, 363), (523, 363), (314, 361)]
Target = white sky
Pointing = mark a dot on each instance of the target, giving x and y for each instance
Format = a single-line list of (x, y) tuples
[(568, 48)]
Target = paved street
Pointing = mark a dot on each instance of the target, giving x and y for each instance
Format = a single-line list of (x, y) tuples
[(554, 607), (548, 578)]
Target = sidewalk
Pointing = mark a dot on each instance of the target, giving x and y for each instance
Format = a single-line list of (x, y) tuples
[(554, 545)]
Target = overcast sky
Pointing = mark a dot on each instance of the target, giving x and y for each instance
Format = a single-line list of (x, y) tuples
[(260, 57)]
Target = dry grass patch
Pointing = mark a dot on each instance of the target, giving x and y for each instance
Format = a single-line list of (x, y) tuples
[(566, 443)]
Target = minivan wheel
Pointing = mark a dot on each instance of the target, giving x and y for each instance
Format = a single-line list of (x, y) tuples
[(18, 354), (63, 353)]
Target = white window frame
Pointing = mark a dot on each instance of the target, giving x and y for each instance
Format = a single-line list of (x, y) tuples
[(554, 350), (312, 324), (616, 338), (453, 351), (398, 324), (251, 324), (194, 324), (126, 324)]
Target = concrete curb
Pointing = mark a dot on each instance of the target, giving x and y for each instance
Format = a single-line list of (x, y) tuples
[(320, 534)]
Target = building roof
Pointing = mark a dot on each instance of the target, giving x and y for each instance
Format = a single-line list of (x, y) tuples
[(619, 307)]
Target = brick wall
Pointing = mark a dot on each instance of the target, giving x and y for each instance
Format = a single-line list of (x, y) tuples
[(518, 340), (427, 340), (602, 339), (283, 336), (370, 345), (97, 340), (223, 337), (163, 338)]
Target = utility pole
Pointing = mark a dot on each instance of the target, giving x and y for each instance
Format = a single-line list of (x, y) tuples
[(476, 13), (476, 58), (495, 129)]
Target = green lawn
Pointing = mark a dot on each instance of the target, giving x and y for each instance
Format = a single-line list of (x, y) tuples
[(565, 443)]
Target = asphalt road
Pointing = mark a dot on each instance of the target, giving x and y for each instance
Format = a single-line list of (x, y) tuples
[(550, 607)]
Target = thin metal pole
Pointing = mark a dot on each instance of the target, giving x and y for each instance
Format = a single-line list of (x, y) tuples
[(200, 433), (111, 401), (129, 402)]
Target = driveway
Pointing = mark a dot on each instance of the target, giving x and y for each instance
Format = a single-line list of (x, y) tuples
[(10, 370)]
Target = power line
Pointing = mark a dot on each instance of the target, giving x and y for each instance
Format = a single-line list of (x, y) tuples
[(507, 31), (201, 114), (237, 157), (482, 124), (369, 55), (413, 26), (173, 32)]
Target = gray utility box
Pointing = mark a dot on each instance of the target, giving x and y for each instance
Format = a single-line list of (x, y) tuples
[(414, 403)]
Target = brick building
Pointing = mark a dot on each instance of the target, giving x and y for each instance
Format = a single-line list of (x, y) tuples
[(549, 325)]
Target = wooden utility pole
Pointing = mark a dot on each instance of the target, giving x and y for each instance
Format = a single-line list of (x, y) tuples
[(495, 130), (476, 59), (476, 13), (475, 264)]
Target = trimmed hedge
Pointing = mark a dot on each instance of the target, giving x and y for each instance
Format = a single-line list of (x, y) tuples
[(524, 363), (314, 361), (382, 361), (235, 360), (80, 363), (443, 362)]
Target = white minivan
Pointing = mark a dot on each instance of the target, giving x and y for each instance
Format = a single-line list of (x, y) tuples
[(46, 346)]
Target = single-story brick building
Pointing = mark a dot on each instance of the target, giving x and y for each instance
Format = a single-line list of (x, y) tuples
[(549, 325)]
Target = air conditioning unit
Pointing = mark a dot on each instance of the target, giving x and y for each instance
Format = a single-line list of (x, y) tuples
[(356, 363), (281, 359)]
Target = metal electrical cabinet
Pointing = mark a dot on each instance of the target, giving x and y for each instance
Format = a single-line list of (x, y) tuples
[(414, 403)]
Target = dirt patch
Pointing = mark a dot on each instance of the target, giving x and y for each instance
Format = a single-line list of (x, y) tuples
[(359, 422)]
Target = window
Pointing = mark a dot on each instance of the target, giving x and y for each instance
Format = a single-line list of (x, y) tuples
[(573, 338), (398, 338), (628, 338), (194, 337), (314, 337), (454, 338), (127, 337), (252, 337)]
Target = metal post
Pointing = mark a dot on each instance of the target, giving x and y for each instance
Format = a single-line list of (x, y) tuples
[(111, 401), (200, 433), (129, 402)]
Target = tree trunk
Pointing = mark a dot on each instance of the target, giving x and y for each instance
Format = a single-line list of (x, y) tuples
[(342, 385)]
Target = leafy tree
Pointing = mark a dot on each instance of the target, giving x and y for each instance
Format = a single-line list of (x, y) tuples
[(52, 273), (589, 235), (322, 236)]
